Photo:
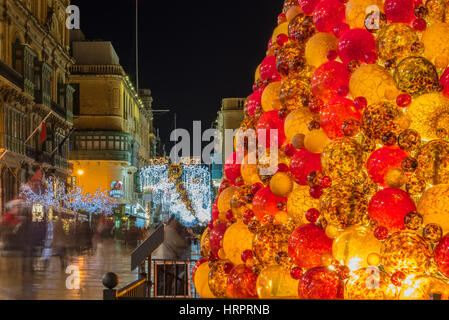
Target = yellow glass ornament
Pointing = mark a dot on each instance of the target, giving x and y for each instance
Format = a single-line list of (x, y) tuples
[(294, 89), (437, 10), (416, 76), (224, 201), (201, 281), (237, 239), (296, 123), (205, 243), (316, 140), (395, 178), (373, 259), (280, 29), (218, 279), (275, 282), (433, 206), (292, 12), (318, 46), (281, 184), (433, 162), (436, 42), (380, 119), (407, 252), (241, 201), (271, 96), (428, 113), (395, 41), (299, 201), (249, 171), (332, 231), (353, 246), (372, 82), (270, 240), (356, 11), (422, 287), (370, 284)]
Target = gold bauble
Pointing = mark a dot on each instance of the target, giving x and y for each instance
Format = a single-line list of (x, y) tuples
[(370, 284), (280, 29), (205, 243), (433, 206), (201, 281), (237, 239), (275, 282), (294, 89), (423, 287), (318, 46), (395, 41), (270, 240), (224, 201), (395, 178), (218, 278), (316, 140), (356, 11), (271, 96), (296, 123), (436, 42), (281, 184), (379, 119), (437, 10), (249, 171), (299, 201), (416, 76), (433, 162)]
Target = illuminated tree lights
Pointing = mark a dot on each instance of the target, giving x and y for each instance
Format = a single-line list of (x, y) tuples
[(359, 93)]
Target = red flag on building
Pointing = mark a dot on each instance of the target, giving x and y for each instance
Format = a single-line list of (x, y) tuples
[(43, 135)]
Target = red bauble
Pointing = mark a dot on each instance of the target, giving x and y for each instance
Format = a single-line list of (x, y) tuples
[(356, 44), (302, 163), (328, 77), (441, 254), (215, 212), (255, 101), (334, 113), (197, 265), (444, 81), (307, 244), (382, 161), (216, 237), (268, 70), (269, 122), (265, 203), (389, 207), (232, 167), (399, 10), (241, 283), (308, 6), (320, 283), (328, 14)]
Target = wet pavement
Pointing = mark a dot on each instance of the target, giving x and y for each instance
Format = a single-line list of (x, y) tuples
[(53, 283)]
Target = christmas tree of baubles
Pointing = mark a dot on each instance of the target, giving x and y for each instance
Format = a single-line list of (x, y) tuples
[(358, 207)]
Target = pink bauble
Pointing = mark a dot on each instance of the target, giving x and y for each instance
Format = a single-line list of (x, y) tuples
[(356, 44), (268, 69), (216, 237), (215, 212), (302, 163), (308, 6), (382, 161), (270, 123), (399, 10), (232, 166), (266, 203), (328, 77), (334, 113), (444, 81), (328, 14)]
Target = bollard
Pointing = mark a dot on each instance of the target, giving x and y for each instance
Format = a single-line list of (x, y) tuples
[(110, 281)]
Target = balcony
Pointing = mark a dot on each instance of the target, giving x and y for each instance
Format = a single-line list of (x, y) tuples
[(58, 109), (97, 69), (14, 144), (11, 75)]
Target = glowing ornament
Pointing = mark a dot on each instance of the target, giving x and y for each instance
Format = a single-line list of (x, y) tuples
[(299, 201), (268, 70), (269, 240), (236, 240), (356, 44), (307, 244), (241, 283), (275, 282), (423, 287), (301, 28), (353, 246), (196, 266), (224, 201), (205, 244), (395, 41), (328, 14), (218, 278), (433, 206), (436, 44), (399, 10), (444, 81), (407, 252), (334, 113), (441, 254), (416, 76), (389, 207), (270, 96), (294, 90), (249, 171), (279, 30), (255, 101), (232, 167), (356, 11), (327, 78), (292, 12), (216, 237), (320, 283), (302, 163), (380, 119), (201, 281), (296, 123), (265, 203), (318, 46), (428, 113), (433, 162), (308, 6), (270, 123), (382, 161), (281, 184), (370, 284), (316, 141)]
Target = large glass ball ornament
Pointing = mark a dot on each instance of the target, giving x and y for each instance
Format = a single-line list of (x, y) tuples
[(382, 161), (328, 78), (373, 82), (353, 246), (356, 11), (316, 141), (318, 46), (269, 240), (241, 283), (290, 59), (399, 10), (428, 113), (370, 283), (241, 201), (265, 203), (423, 287), (301, 28), (249, 171), (270, 96), (215, 213), (295, 90), (416, 76), (395, 41), (302, 163), (334, 114), (255, 101), (196, 266), (342, 158), (356, 44), (216, 237), (328, 14), (388, 207), (307, 244), (268, 70), (436, 44), (296, 123), (343, 205), (270, 122), (224, 201), (407, 252), (441, 254), (299, 201), (320, 283), (218, 278), (281, 184), (201, 281), (232, 167), (280, 29), (409, 140), (433, 206), (205, 243), (308, 6), (433, 162), (236, 240), (275, 282), (380, 119)]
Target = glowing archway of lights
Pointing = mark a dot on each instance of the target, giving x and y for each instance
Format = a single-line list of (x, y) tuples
[(197, 182)]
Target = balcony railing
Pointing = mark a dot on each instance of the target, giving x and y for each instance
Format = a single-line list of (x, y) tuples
[(14, 144), (11, 75)]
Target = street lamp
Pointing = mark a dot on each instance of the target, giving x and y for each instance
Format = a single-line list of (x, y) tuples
[(80, 172)]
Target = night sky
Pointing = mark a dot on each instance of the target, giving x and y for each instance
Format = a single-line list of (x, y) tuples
[(192, 53)]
